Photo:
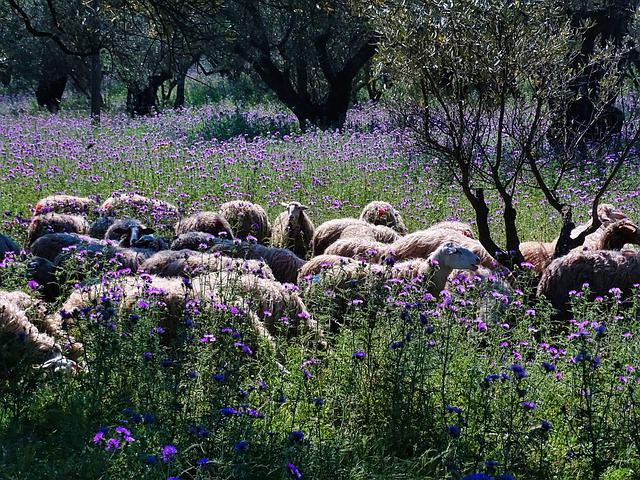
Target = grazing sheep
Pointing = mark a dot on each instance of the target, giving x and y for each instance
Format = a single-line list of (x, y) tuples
[(176, 263), (614, 236), (199, 241), (7, 245), (331, 231), (140, 204), (246, 219), (283, 263), (100, 226), (293, 229), (423, 243), (212, 223), (65, 204), (56, 223), (151, 242), (127, 232), (358, 248), (602, 270), (383, 213)]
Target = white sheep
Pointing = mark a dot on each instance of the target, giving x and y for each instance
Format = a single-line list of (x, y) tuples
[(293, 229)]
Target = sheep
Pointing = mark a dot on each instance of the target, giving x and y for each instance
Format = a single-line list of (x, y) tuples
[(320, 263), (207, 222), (607, 214), (140, 204), (7, 245), (56, 223), (331, 231), (16, 327), (198, 241), (358, 248), (127, 232), (283, 263), (277, 305), (151, 242), (293, 229), (461, 227), (602, 270), (246, 219), (538, 254), (65, 204), (272, 300), (423, 243), (51, 245), (446, 257), (383, 213), (612, 237), (433, 272), (100, 226), (174, 263)]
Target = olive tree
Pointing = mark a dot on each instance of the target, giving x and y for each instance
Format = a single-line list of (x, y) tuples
[(485, 78)]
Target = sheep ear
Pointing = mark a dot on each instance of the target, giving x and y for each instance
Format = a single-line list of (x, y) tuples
[(304, 207), (284, 204)]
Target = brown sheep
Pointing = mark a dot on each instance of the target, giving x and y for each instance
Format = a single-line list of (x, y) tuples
[(612, 237), (320, 263), (383, 213), (332, 230), (56, 223), (358, 248), (461, 227), (176, 263), (538, 254), (246, 219), (293, 229), (603, 270), (212, 223), (65, 204)]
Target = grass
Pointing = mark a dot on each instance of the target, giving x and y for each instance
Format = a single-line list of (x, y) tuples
[(437, 392)]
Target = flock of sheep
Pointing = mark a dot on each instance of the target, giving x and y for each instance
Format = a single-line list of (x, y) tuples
[(267, 267)]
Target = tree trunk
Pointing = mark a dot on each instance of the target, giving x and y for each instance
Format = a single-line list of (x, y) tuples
[(96, 82), (50, 89), (609, 24), (179, 102), (144, 101)]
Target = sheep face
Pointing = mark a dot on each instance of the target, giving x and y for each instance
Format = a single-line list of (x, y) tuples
[(294, 210), (150, 242), (452, 255), (127, 232)]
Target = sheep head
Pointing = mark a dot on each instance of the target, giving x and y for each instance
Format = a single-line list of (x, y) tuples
[(451, 255)]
